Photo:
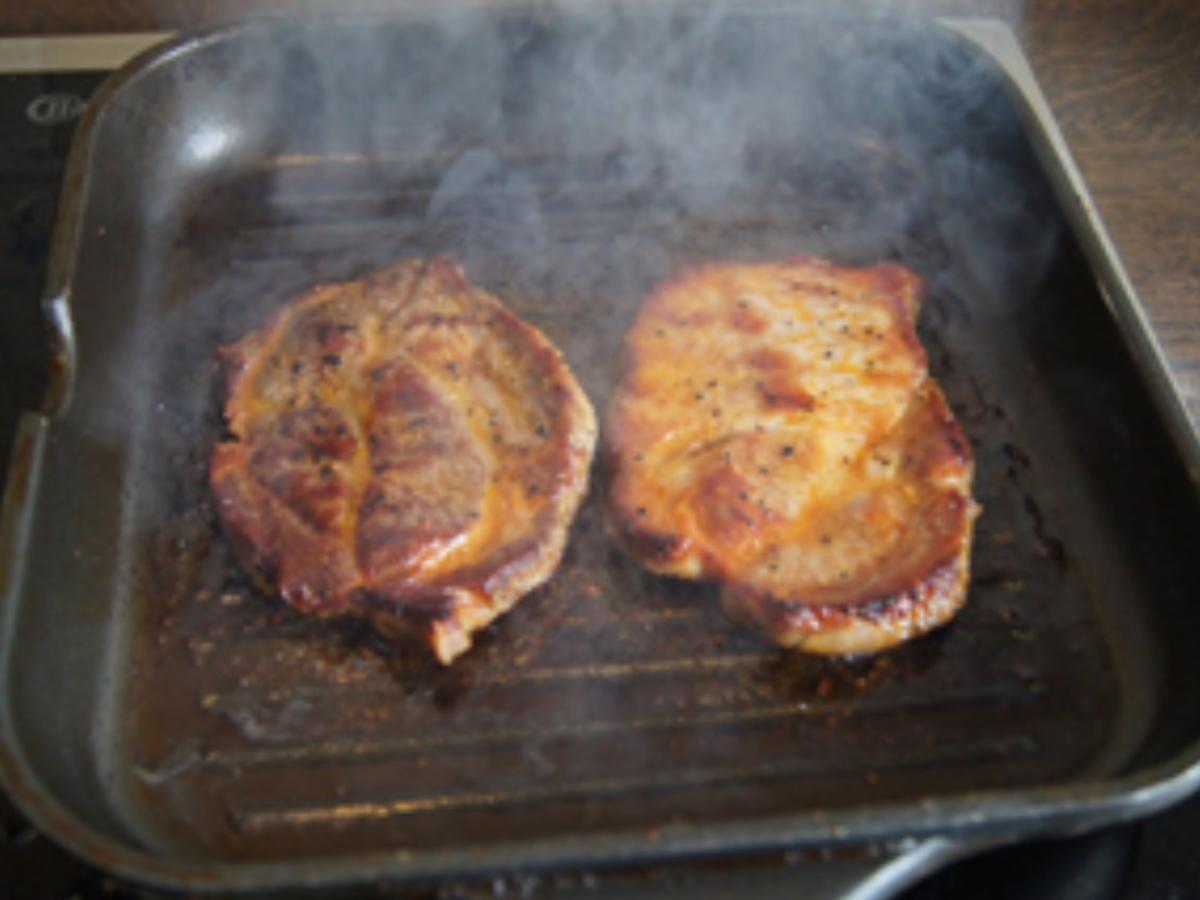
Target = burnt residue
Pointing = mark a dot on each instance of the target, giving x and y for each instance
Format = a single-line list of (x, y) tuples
[(609, 698)]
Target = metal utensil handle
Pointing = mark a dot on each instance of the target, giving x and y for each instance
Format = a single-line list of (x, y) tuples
[(879, 877)]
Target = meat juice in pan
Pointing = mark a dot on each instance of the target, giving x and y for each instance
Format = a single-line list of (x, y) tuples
[(610, 697), (567, 696)]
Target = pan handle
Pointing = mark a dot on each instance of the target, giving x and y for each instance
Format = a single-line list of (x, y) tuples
[(60, 334), (871, 877)]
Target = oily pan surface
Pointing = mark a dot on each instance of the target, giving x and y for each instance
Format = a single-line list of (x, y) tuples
[(612, 698), (239, 702)]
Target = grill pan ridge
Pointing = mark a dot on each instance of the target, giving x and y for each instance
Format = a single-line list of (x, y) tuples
[(188, 731)]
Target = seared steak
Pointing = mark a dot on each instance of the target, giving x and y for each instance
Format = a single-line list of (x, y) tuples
[(777, 430), (401, 448)]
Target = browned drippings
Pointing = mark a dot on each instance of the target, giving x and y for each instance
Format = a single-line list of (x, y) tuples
[(610, 698)]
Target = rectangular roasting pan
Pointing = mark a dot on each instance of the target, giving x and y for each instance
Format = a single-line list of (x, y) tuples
[(164, 721)]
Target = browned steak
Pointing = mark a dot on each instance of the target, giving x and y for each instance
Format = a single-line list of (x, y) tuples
[(401, 448), (777, 430)]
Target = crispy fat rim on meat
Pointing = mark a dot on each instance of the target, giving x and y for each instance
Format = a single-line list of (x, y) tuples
[(401, 448), (777, 430)]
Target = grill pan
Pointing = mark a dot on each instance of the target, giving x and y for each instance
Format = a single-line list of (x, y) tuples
[(165, 721)]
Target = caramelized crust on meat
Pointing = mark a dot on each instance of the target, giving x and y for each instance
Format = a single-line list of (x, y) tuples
[(777, 430), (401, 448)]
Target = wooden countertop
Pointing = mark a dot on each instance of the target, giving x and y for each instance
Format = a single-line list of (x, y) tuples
[(1122, 77), (1123, 80)]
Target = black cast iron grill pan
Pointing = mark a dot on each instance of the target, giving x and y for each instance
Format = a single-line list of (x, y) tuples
[(163, 719)]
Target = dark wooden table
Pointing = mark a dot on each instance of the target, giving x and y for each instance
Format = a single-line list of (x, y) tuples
[(1123, 79), (1122, 76)]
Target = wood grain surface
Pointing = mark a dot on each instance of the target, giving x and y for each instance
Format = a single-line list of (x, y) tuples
[(1122, 77)]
